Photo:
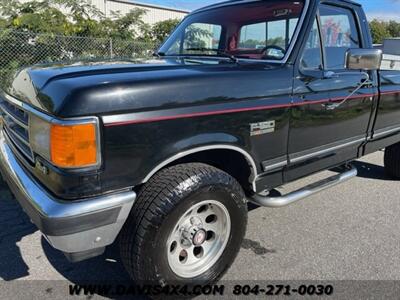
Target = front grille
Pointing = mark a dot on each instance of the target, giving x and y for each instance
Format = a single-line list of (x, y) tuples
[(16, 126)]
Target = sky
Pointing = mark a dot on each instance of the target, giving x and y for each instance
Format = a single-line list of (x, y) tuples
[(380, 9)]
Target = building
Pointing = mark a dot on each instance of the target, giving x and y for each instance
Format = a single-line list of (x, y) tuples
[(155, 13)]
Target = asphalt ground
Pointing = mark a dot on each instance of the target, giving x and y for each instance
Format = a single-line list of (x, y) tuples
[(349, 232)]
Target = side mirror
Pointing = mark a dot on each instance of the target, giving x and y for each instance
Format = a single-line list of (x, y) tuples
[(364, 59)]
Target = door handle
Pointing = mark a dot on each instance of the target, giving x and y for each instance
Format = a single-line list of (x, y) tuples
[(331, 105), (335, 105), (330, 75)]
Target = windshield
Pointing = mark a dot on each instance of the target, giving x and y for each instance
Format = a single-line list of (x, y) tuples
[(261, 30)]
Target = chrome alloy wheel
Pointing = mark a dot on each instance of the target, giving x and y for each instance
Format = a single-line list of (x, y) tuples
[(198, 239)]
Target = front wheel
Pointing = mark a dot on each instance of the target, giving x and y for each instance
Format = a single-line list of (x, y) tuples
[(187, 226)]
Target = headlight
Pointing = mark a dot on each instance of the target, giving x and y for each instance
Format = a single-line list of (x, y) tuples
[(66, 144)]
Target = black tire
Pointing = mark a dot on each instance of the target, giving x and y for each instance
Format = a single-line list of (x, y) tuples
[(161, 203), (392, 161)]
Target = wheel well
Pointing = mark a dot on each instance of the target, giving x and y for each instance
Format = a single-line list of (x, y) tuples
[(230, 161)]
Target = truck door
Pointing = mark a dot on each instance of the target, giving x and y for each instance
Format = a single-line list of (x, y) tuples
[(331, 113), (387, 124)]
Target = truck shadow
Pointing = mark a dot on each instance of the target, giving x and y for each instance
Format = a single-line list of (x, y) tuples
[(14, 226), (102, 270), (371, 171)]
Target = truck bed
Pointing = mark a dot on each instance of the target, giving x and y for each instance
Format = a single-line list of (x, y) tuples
[(391, 62)]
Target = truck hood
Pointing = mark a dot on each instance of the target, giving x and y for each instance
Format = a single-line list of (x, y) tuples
[(99, 88)]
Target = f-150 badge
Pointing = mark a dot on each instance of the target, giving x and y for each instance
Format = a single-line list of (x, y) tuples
[(262, 128)]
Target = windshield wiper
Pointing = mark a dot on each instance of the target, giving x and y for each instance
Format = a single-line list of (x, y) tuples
[(159, 54), (218, 51)]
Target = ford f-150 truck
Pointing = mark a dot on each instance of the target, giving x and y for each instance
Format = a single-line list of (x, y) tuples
[(163, 155)]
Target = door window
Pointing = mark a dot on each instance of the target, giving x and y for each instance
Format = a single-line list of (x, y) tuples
[(277, 33), (202, 35), (339, 33), (253, 36), (312, 55)]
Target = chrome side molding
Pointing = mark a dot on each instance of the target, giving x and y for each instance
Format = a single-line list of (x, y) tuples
[(309, 190), (385, 132), (247, 156), (303, 156)]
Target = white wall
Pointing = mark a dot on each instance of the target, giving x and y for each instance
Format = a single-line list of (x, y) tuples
[(154, 13)]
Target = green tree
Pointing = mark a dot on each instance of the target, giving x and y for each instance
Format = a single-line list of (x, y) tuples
[(379, 31), (394, 28), (161, 30), (3, 23), (127, 27), (32, 16), (196, 36)]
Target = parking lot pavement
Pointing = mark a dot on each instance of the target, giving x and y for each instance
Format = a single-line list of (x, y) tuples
[(351, 231)]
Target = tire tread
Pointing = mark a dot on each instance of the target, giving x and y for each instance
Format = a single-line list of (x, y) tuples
[(392, 160)]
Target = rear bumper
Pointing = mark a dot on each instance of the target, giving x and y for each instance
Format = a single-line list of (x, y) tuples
[(81, 229)]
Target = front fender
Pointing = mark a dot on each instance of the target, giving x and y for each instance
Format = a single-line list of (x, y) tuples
[(200, 143)]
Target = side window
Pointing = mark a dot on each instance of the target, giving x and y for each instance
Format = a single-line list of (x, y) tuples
[(201, 35), (253, 36), (339, 33), (267, 40), (277, 33), (312, 57)]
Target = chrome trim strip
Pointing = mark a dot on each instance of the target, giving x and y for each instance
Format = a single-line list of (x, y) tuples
[(15, 146), (23, 125), (298, 159), (385, 131), (275, 166), (180, 155), (12, 100), (118, 118), (21, 139)]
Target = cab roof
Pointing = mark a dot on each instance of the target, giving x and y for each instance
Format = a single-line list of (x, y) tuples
[(231, 2)]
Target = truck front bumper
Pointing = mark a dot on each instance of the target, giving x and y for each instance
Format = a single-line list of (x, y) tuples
[(81, 229)]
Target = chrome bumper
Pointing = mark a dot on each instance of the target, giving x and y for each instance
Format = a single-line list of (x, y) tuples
[(80, 229)]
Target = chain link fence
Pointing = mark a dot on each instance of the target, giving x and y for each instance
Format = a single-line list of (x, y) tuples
[(20, 49)]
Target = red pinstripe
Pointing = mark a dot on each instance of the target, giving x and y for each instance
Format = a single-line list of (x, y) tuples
[(237, 110)]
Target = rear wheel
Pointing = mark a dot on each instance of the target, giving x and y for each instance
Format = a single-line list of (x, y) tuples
[(392, 160), (187, 225)]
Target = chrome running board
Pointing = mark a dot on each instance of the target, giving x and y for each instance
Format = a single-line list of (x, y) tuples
[(309, 190)]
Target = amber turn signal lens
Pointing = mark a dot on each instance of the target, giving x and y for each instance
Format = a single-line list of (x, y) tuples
[(73, 146)]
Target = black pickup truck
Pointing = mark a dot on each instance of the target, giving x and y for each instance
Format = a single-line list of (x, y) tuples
[(164, 155)]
